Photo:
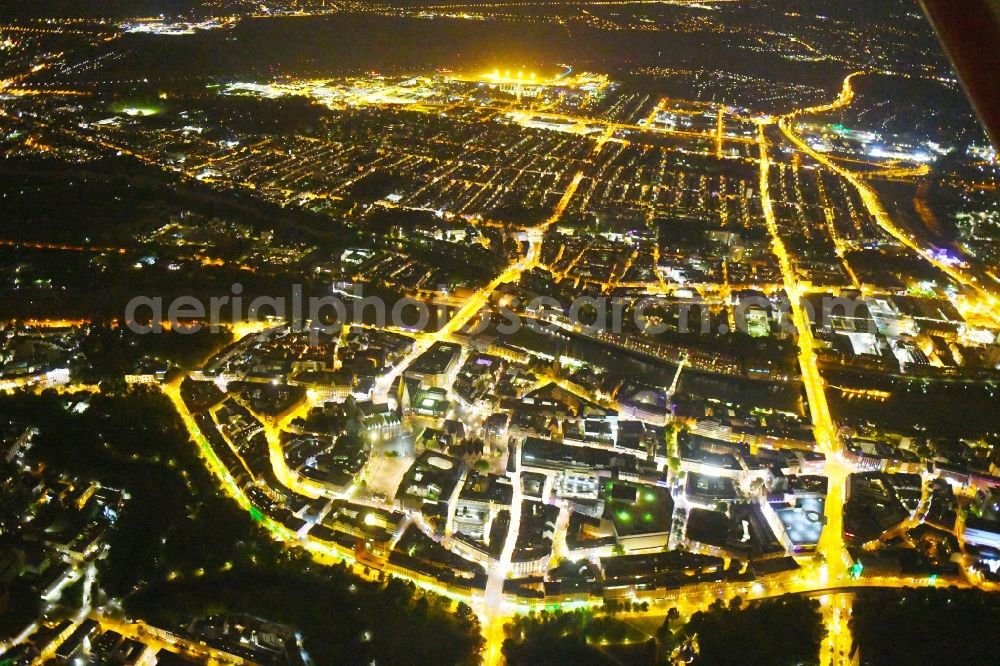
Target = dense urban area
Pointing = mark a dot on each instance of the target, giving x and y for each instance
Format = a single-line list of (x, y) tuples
[(444, 332)]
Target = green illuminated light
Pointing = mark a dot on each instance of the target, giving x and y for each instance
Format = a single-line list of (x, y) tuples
[(856, 570)]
